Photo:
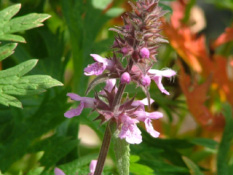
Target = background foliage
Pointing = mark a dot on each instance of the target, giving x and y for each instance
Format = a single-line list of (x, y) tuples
[(196, 132)]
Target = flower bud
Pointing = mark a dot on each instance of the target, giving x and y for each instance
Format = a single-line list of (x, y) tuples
[(125, 50), (125, 78), (144, 53), (145, 80)]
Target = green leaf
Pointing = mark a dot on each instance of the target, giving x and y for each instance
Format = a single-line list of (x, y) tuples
[(54, 149), (101, 4), (194, 169), (225, 144), (36, 171), (8, 100), (7, 50), (208, 143), (137, 168), (18, 24), (114, 12), (78, 166), (7, 13), (22, 131), (18, 70), (12, 82)]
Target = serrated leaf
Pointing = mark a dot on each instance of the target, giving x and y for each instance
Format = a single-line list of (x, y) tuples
[(7, 13), (18, 70), (12, 82), (13, 38), (7, 50), (25, 22), (194, 169), (8, 26), (8, 100)]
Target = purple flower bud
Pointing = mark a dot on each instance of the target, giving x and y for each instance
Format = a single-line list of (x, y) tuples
[(144, 52), (125, 78), (145, 80), (125, 50)]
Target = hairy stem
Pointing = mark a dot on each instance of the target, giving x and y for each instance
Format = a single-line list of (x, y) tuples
[(121, 149)]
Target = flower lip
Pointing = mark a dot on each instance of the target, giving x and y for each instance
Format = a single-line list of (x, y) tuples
[(99, 66)]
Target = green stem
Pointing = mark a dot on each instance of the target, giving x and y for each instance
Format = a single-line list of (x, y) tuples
[(121, 149)]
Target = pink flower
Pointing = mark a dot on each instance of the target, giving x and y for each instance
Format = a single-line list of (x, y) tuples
[(99, 66), (125, 78), (147, 117), (157, 76), (58, 171), (130, 131), (92, 167), (144, 52), (85, 102)]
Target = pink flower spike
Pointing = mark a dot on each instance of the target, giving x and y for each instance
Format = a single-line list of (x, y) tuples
[(98, 67), (92, 167), (144, 52), (125, 78), (58, 171), (145, 80), (150, 129)]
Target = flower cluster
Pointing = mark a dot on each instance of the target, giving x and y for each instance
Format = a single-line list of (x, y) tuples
[(137, 42)]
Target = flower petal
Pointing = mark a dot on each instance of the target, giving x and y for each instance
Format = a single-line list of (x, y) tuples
[(154, 115), (158, 81), (165, 73), (75, 112), (130, 131), (94, 69), (142, 102), (58, 171), (92, 167), (74, 96), (150, 129)]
